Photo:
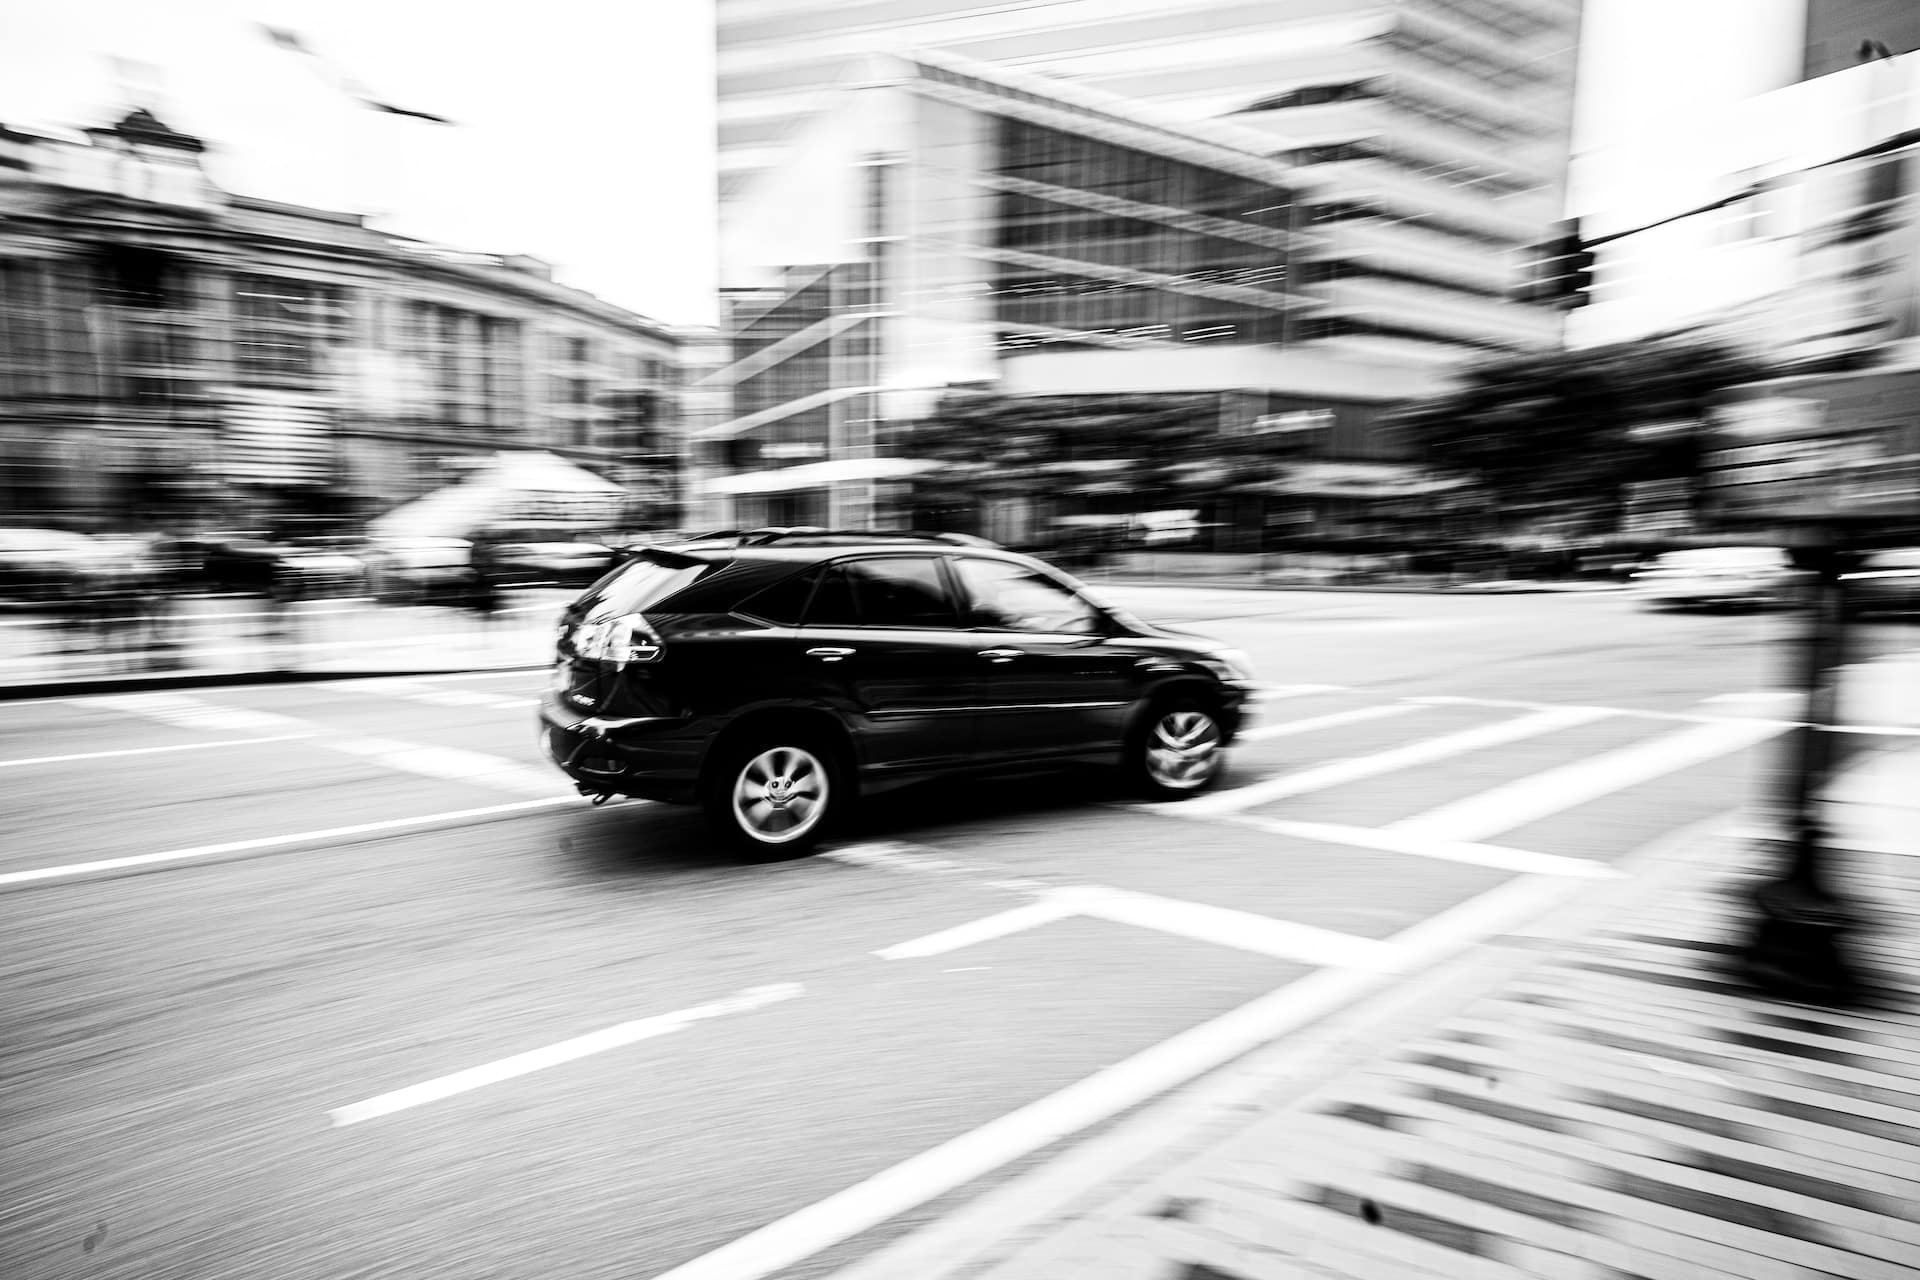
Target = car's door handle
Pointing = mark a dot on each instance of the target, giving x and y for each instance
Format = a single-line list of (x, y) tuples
[(1000, 655), (829, 654)]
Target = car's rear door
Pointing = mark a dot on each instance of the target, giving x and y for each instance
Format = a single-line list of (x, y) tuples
[(883, 635)]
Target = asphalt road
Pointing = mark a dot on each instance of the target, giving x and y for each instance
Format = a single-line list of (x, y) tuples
[(340, 980)]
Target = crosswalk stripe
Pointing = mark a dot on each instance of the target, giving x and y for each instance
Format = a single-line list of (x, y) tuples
[(1541, 795), (1426, 751), (1333, 720), (1271, 692), (1389, 841)]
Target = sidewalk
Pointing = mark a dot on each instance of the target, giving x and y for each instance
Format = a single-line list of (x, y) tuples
[(236, 639), (1600, 1099)]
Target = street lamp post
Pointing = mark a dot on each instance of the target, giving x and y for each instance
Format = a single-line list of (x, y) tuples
[(1798, 944)]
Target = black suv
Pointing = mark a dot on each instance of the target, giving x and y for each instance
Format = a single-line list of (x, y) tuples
[(773, 676)]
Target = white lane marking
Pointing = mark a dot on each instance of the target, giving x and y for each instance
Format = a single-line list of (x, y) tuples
[(553, 1055), (1529, 799), (1756, 695), (193, 713), (459, 698), (1388, 840), (1274, 691), (1172, 1062), (148, 751), (414, 690), (1330, 721), (1055, 906), (1413, 753), (454, 764), (76, 869), (893, 855), (1224, 926)]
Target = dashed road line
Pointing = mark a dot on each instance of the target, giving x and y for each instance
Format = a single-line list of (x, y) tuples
[(553, 1055)]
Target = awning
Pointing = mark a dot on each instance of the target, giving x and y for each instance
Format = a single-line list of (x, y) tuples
[(1361, 480), (818, 475), (516, 485)]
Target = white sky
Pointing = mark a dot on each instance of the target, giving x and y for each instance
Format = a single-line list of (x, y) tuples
[(584, 127)]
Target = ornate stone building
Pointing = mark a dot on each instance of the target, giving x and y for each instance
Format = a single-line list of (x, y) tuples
[(167, 343)]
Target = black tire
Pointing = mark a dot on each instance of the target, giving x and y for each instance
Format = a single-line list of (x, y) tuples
[(1178, 750), (775, 795)]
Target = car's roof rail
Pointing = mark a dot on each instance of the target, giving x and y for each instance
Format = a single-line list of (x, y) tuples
[(804, 534)]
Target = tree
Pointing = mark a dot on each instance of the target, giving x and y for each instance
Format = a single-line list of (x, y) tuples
[(1563, 432), (1142, 452)]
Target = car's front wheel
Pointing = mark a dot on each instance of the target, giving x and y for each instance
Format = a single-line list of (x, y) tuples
[(775, 797), (1180, 750)]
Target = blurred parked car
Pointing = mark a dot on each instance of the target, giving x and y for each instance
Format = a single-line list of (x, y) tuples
[(419, 568), (542, 555), (1722, 576), (39, 565), (292, 568), (1885, 582)]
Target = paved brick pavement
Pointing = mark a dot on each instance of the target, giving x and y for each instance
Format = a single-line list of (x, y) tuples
[(1614, 1105)]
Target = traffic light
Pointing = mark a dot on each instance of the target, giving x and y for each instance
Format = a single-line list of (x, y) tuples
[(1559, 272)]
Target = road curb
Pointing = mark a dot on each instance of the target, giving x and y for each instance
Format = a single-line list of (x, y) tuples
[(149, 682)]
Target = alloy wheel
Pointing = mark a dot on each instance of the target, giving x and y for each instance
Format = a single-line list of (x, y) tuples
[(780, 794), (1183, 751)]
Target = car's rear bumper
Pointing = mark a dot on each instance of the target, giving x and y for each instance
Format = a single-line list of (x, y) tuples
[(651, 757)]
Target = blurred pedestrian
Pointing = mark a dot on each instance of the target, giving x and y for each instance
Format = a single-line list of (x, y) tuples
[(483, 586)]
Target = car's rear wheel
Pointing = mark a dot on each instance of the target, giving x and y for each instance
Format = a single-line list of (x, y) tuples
[(775, 796), (1179, 751)]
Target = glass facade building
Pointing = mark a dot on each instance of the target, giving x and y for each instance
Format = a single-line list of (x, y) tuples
[(1313, 205)]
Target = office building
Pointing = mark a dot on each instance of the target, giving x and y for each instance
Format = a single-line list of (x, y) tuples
[(1310, 207)]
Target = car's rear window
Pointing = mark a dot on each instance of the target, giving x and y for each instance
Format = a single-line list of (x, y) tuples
[(643, 584)]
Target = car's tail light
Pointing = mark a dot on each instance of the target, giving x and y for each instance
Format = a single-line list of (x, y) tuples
[(620, 641)]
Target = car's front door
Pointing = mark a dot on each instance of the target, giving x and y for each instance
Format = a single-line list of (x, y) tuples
[(1055, 679), (884, 633)]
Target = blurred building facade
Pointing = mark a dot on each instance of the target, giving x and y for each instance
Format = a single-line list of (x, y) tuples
[(1312, 207), (1810, 257), (1844, 33), (167, 343)]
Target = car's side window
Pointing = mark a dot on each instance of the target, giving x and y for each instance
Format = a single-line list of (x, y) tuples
[(833, 604), (783, 603), (1006, 597), (889, 591)]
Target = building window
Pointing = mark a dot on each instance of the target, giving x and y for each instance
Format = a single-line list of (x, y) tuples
[(282, 330)]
